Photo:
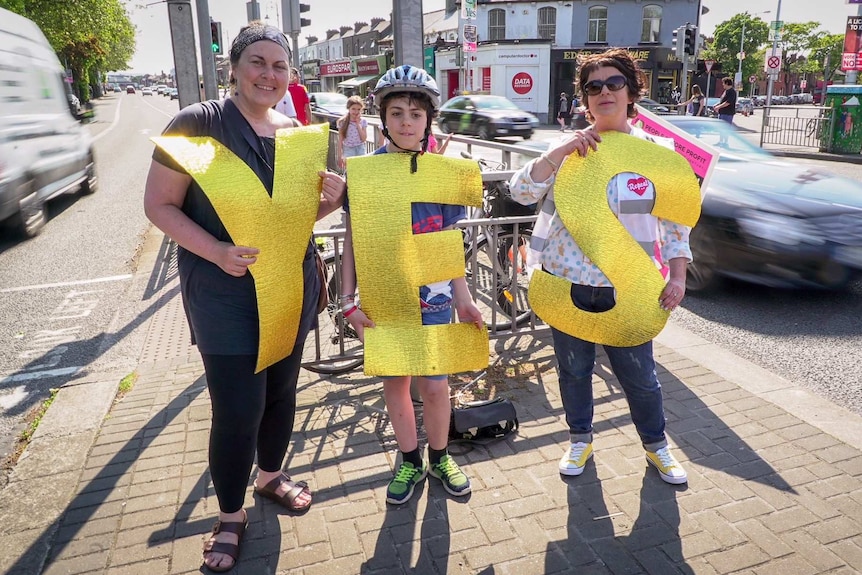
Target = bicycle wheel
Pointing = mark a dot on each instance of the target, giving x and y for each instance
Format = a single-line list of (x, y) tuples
[(497, 276), (336, 348)]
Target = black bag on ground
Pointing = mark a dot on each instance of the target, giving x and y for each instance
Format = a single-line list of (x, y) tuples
[(483, 421)]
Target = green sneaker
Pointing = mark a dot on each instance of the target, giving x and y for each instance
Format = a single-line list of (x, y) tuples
[(400, 489), (453, 479)]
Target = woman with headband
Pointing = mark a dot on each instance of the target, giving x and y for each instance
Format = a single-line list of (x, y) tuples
[(252, 413)]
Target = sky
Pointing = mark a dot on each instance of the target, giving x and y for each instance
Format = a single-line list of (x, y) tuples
[(154, 55)]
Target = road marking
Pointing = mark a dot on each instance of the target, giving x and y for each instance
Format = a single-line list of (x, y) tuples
[(98, 136), (65, 284), (156, 109)]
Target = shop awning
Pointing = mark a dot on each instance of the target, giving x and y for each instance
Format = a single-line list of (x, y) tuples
[(356, 82)]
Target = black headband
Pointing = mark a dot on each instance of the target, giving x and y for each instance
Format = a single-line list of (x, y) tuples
[(251, 34)]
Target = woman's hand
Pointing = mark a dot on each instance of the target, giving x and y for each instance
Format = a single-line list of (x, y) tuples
[(672, 294), (234, 260), (469, 313), (580, 142), (359, 321)]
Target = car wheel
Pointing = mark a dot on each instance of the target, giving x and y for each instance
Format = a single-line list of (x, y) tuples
[(32, 215), (484, 133), (701, 275), (528, 135), (91, 183), (444, 127)]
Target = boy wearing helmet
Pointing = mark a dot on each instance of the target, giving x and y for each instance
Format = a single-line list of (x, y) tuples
[(407, 98)]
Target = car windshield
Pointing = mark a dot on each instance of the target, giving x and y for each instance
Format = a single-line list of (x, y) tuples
[(328, 100), (495, 103), (713, 132)]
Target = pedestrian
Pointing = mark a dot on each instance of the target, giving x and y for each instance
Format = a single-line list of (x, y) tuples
[(696, 105), (369, 103), (408, 98), (726, 106), (351, 131), (563, 111), (609, 83), (299, 96), (284, 105), (252, 413)]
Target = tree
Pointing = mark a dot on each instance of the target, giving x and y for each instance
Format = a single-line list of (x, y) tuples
[(831, 45), (796, 41), (89, 36), (724, 46)]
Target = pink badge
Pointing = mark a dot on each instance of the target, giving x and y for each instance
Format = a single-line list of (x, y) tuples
[(638, 185)]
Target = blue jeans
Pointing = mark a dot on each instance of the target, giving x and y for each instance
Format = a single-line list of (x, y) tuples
[(726, 117), (635, 371)]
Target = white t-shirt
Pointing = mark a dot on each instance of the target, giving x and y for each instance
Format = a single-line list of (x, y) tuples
[(285, 106)]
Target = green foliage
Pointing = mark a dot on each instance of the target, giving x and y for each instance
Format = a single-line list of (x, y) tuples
[(725, 44), (89, 36), (825, 44)]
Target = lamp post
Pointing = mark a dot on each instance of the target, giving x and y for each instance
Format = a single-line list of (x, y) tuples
[(741, 55)]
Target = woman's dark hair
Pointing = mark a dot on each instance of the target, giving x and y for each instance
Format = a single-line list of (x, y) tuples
[(620, 59), (695, 90)]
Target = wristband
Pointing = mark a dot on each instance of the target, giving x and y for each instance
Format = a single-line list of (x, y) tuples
[(349, 311), (550, 161)]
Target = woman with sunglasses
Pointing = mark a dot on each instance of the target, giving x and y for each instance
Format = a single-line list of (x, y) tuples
[(609, 83)]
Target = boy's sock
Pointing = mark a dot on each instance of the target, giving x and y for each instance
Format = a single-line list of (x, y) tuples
[(435, 455), (414, 457)]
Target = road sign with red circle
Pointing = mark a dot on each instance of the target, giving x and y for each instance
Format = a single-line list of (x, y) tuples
[(772, 63), (752, 79)]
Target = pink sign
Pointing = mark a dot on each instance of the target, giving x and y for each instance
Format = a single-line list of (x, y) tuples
[(700, 156)]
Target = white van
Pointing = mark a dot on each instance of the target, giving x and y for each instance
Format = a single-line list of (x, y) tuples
[(44, 150)]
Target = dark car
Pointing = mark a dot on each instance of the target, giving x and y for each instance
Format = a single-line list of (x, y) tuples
[(327, 107), (654, 106), (770, 221), (485, 116)]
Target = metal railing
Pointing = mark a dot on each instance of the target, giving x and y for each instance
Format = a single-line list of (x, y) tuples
[(793, 126)]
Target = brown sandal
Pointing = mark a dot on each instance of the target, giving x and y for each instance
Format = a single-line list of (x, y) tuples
[(230, 549), (270, 491)]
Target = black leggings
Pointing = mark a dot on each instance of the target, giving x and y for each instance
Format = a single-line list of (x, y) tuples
[(250, 412)]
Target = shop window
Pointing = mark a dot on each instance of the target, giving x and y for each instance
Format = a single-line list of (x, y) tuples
[(548, 23), (598, 29), (496, 24), (651, 24)]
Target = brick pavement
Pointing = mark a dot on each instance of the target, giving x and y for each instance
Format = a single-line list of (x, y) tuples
[(770, 490)]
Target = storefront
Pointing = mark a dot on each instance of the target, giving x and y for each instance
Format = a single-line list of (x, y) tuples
[(661, 69), (311, 75), (517, 71), (333, 73), (367, 71)]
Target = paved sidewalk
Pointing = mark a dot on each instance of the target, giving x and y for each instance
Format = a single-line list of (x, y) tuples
[(775, 476)]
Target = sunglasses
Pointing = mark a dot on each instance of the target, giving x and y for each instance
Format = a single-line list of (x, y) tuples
[(614, 84)]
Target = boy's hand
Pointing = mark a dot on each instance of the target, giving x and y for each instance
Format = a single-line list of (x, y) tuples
[(359, 321), (469, 313)]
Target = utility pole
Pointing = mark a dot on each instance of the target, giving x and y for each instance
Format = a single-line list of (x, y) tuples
[(185, 58), (408, 32), (207, 57), (771, 76)]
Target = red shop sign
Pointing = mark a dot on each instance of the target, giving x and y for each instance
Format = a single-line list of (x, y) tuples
[(336, 69), (367, 68)]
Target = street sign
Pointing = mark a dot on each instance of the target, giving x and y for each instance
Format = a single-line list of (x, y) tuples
[(708, 65), (772, 63), (752, 79), (776, 29)]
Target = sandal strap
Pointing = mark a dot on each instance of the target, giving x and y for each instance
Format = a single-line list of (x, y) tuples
[(235, 527), (230, 549)]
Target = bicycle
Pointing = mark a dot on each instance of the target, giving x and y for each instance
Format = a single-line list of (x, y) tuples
[(337, 346), (495, 253)]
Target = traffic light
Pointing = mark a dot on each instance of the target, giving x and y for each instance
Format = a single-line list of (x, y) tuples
[(677, 43), (690, 44), (295, 21), (215, 30)]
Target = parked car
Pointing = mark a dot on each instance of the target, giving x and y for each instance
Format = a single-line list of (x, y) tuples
[(327, 107), (770, 221), (485, 116), (744, 106), (654, 106), (44, 149)]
